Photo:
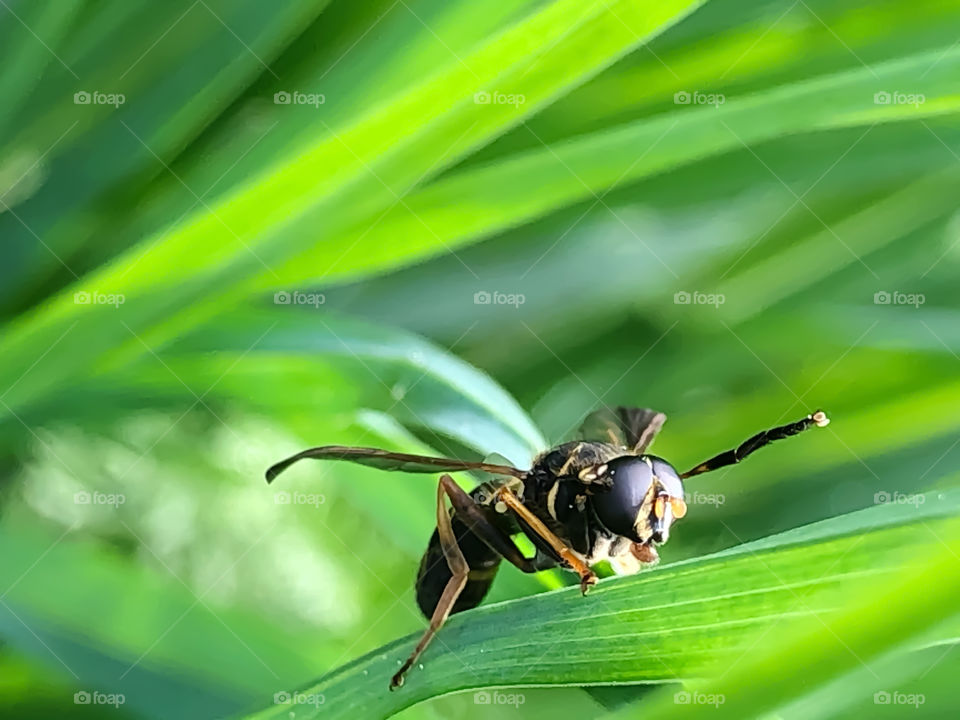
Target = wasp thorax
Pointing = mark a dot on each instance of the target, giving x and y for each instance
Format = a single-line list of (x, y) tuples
[(646, 496)]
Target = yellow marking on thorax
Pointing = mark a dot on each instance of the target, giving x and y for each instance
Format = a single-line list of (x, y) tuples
[(552, 499)]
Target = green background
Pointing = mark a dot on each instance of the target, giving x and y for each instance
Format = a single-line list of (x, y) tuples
[(733, 212)]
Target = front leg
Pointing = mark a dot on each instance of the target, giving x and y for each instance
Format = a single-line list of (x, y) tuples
[(568, 555)]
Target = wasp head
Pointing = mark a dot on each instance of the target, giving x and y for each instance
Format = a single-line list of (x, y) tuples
[(645, 497)]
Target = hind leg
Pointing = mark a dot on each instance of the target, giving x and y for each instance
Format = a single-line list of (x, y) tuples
[(472, 516), (459, 571)]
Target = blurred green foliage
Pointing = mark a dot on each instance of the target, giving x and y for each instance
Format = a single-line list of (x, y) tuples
[(231, 229)]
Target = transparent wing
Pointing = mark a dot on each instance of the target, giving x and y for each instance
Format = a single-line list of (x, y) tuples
[(386, 460), (631, 428)]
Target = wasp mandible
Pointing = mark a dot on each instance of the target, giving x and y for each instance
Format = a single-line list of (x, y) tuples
[(601, 497)]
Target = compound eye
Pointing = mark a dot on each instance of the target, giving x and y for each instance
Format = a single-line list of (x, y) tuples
[(678, 506), (617, 507)]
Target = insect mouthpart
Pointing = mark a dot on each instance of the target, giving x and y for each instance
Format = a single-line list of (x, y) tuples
[(646, 553)]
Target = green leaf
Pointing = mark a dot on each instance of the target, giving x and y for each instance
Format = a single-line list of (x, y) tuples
[(247, 239), (666, 625), (422, 385)]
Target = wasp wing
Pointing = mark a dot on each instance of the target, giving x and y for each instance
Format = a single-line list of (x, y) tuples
[(387, 460), (631, 428)]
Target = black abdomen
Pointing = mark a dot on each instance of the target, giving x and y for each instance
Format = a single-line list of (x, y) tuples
[(434, 573)]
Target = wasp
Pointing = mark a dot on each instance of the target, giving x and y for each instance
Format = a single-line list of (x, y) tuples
[(601, 497)]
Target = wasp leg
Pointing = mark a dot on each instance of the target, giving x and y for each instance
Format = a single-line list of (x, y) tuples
[(459, 570), (567, 554), (730, 457), (470, 513)]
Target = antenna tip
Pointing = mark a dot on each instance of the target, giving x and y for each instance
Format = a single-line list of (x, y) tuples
[(820, 418)]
